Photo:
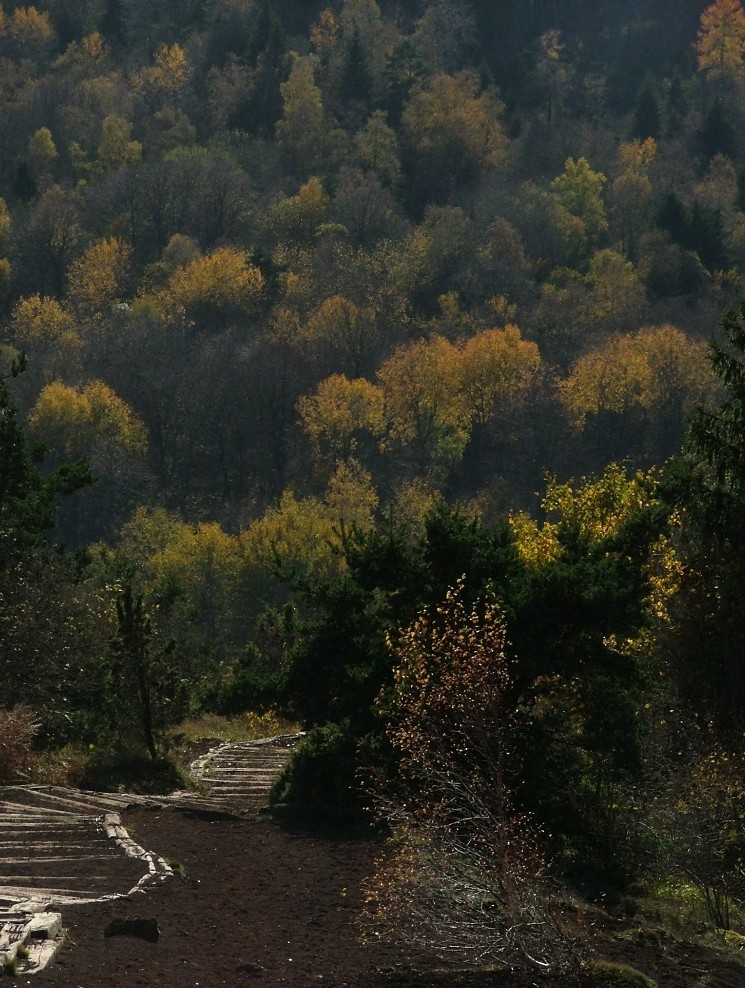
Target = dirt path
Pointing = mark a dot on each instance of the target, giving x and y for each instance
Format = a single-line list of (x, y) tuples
[(253, 903), (61, 848)]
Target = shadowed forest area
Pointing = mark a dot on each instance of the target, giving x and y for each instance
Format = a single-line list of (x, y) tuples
[(381, 366)]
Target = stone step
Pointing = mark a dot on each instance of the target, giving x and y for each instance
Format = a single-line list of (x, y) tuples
[(18, 892), (47, 833), (57, 801), (40, 858)]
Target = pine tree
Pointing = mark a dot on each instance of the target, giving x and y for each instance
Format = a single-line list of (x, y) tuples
[(28, 497)]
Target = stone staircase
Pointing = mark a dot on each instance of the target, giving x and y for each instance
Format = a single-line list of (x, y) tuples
[(60, 847), (238, 776)]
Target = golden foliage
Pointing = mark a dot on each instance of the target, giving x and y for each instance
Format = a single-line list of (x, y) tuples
[(498, 370), (720, 45), (74, 421), (167, 76), (646, 369), (202, 564), (99, 279), (339, 411), (453, 125), (298, 217), (220, 288), (351, 498), (637, 155), (422, 399), (38, 319), (298, 532), (595, 508)]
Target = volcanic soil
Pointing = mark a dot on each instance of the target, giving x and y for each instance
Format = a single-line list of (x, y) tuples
[(256, 903)]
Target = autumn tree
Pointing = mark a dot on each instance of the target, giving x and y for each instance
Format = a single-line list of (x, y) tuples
[(95, 422), (297, 218), (301, 132), (195, 580), (498, 372), (28, 497), (425, 412), (39, 319), (649, 380), (579, 189), (73, 421), (465, 875), (100, 278), (221, 289), (165, 80), (721, 41), (498, 378), (615, 292), (452, 136), (342, 416), (27, 35)]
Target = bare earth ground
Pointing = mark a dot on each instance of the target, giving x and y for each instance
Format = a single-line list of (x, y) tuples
[(264, 905)]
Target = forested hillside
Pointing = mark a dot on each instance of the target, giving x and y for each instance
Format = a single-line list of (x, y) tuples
[(317, 311)]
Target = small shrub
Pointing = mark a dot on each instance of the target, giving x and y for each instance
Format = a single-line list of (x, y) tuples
[(64, 766), (17, 729), (608, 974), (268, 725), (132, 772), (315, 782)]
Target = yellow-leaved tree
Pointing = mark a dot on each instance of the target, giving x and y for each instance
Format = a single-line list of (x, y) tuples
[(658, 370), (74, 421), (37, 319), (219, 290), (342, 415), (195, 571), (425, 411), (453, 134), (100, 278), (498, 371), (720, 45)]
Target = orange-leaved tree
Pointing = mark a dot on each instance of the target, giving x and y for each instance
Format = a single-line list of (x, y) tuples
[(465, 875), (721, 40)]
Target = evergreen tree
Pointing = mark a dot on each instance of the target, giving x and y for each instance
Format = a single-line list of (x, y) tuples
[(356, 85), (717, 135), (646, 121), (28, 497), (709, 486)]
